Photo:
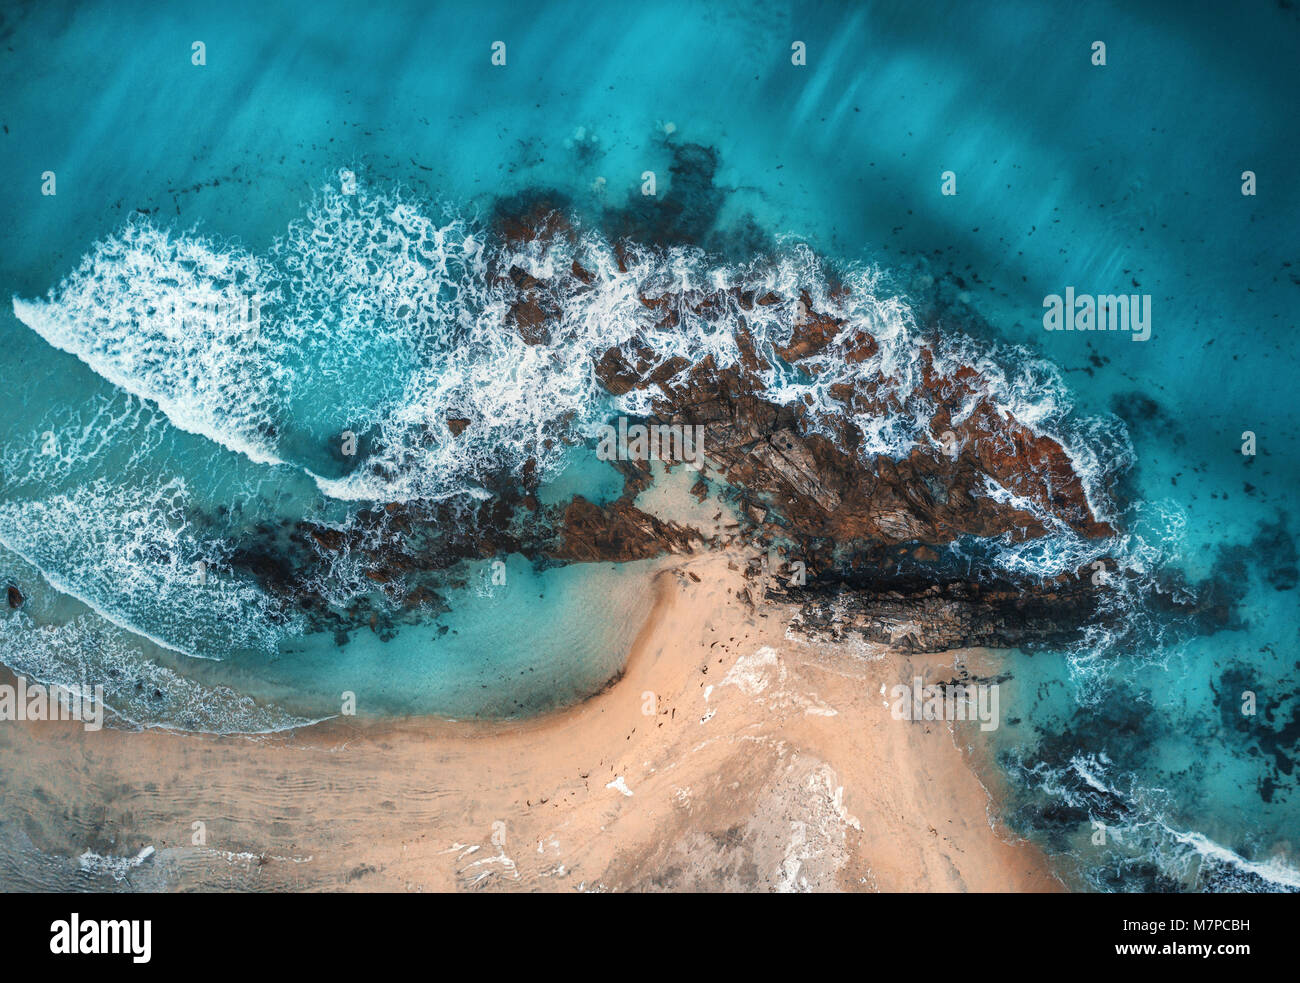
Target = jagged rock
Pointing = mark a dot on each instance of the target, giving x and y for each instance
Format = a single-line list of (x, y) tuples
[(822, 490), (530, 321), (636, 478), (812, 332), (801, 479), (918, 617), (618, 532)]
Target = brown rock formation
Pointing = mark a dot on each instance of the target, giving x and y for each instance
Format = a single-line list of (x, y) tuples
[(821, 488), (799, 473), (618, 532)]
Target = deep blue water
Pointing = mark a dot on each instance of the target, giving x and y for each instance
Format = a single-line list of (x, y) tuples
[(1123, 177)]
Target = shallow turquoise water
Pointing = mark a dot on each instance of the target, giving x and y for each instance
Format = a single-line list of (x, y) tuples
[(1104, 178)]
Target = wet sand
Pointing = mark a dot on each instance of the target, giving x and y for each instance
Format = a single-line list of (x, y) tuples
[(727, 757)]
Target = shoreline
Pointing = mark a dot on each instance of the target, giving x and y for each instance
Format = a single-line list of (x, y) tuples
[(723, 757)]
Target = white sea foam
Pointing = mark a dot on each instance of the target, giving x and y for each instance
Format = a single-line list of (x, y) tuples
[(132, 312), (1273, 871), (384, 320), (1138, 827), (118, 868), (131, 555), (118, 429), (139, 692)]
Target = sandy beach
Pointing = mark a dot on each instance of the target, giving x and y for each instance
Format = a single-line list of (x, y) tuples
[(727, 757)]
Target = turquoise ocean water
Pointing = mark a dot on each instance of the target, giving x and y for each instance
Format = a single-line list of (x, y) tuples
[(123, 466)]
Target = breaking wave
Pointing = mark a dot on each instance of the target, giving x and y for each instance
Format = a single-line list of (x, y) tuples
[(376, 319), (374, 323), (138, 692), (1144, 846), (135, 559)]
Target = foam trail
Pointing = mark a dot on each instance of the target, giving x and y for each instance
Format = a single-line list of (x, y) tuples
[(131, 557), (85, 653), (1140, 832), (382, 320), (1272, 871), (171, 319)]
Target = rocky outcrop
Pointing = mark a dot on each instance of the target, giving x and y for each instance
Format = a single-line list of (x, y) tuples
[(937, 617), (805, 470), (411, 553), (798, 477), (817, 488), (618, 532)]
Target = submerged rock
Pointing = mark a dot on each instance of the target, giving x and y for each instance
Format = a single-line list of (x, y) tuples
[(811, 477)]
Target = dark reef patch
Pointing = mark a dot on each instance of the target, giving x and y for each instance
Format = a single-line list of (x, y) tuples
[(1274, 550), (688, 211), (1259, 723), (683, 214)]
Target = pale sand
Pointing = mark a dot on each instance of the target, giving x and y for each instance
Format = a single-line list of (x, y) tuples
[(764, 763)]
